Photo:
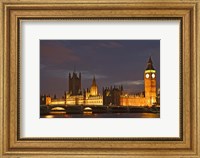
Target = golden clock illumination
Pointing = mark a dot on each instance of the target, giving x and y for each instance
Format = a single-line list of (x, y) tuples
[(153, 75), (147, 75)]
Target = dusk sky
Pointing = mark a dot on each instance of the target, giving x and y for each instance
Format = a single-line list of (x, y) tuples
[(112, 62)]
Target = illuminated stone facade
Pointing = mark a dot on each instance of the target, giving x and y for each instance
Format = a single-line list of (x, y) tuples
[(149, 96), (150, 83), (94, 88), (133, 100), (59, 101), (45, 99), (74, 84), (74, 100), (111, 95), (89, 97), (48, 100), (92, 96)]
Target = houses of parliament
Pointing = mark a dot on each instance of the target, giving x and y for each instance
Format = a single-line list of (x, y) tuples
[(110, 95)]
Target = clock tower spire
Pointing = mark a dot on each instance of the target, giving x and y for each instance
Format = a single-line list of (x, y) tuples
[(150, 83)]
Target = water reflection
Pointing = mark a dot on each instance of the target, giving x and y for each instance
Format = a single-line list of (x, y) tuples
[(57, 112), (103, 115), (49, 116), (149, 115)]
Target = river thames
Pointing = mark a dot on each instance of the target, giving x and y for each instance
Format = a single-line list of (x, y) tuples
[(104, 115)]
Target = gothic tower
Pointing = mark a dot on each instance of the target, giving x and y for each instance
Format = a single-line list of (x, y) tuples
[(74, 84), (150, 83), (94, 88)]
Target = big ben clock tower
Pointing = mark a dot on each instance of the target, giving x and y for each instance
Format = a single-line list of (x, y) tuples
[(150, 83)]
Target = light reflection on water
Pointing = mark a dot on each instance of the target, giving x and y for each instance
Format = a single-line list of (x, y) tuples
[(49, 116), (104, 115), (57, 112)]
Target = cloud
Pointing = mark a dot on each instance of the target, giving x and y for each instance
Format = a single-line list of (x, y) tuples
[(52, 52), (132, 87), (61, 73), (42, 66), (89, 75), (57, 73), (110, 44), (129, 83)]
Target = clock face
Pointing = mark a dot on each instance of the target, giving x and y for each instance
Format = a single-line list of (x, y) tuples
[(153, 75), (147, 75)]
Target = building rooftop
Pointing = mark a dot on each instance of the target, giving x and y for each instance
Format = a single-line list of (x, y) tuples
[(150, 64)]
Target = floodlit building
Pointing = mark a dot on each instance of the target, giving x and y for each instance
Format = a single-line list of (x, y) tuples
[(74, 84), (89, 97), (111, 95), (149, 96)]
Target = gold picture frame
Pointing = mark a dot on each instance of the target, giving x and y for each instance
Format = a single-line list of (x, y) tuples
[(14, 11)]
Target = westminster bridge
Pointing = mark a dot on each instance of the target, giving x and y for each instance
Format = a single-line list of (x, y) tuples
[(80, 109)]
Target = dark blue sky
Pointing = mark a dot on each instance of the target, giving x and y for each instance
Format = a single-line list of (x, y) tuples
[(113, 62)]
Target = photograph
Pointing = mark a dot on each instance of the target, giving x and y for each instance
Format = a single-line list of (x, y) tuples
[(100, 78)]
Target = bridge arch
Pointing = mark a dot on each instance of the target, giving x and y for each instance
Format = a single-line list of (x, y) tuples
[(87, 110), (57, 108)]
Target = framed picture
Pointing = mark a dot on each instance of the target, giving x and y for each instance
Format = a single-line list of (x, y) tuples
[(113, 79), (99, 79)]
